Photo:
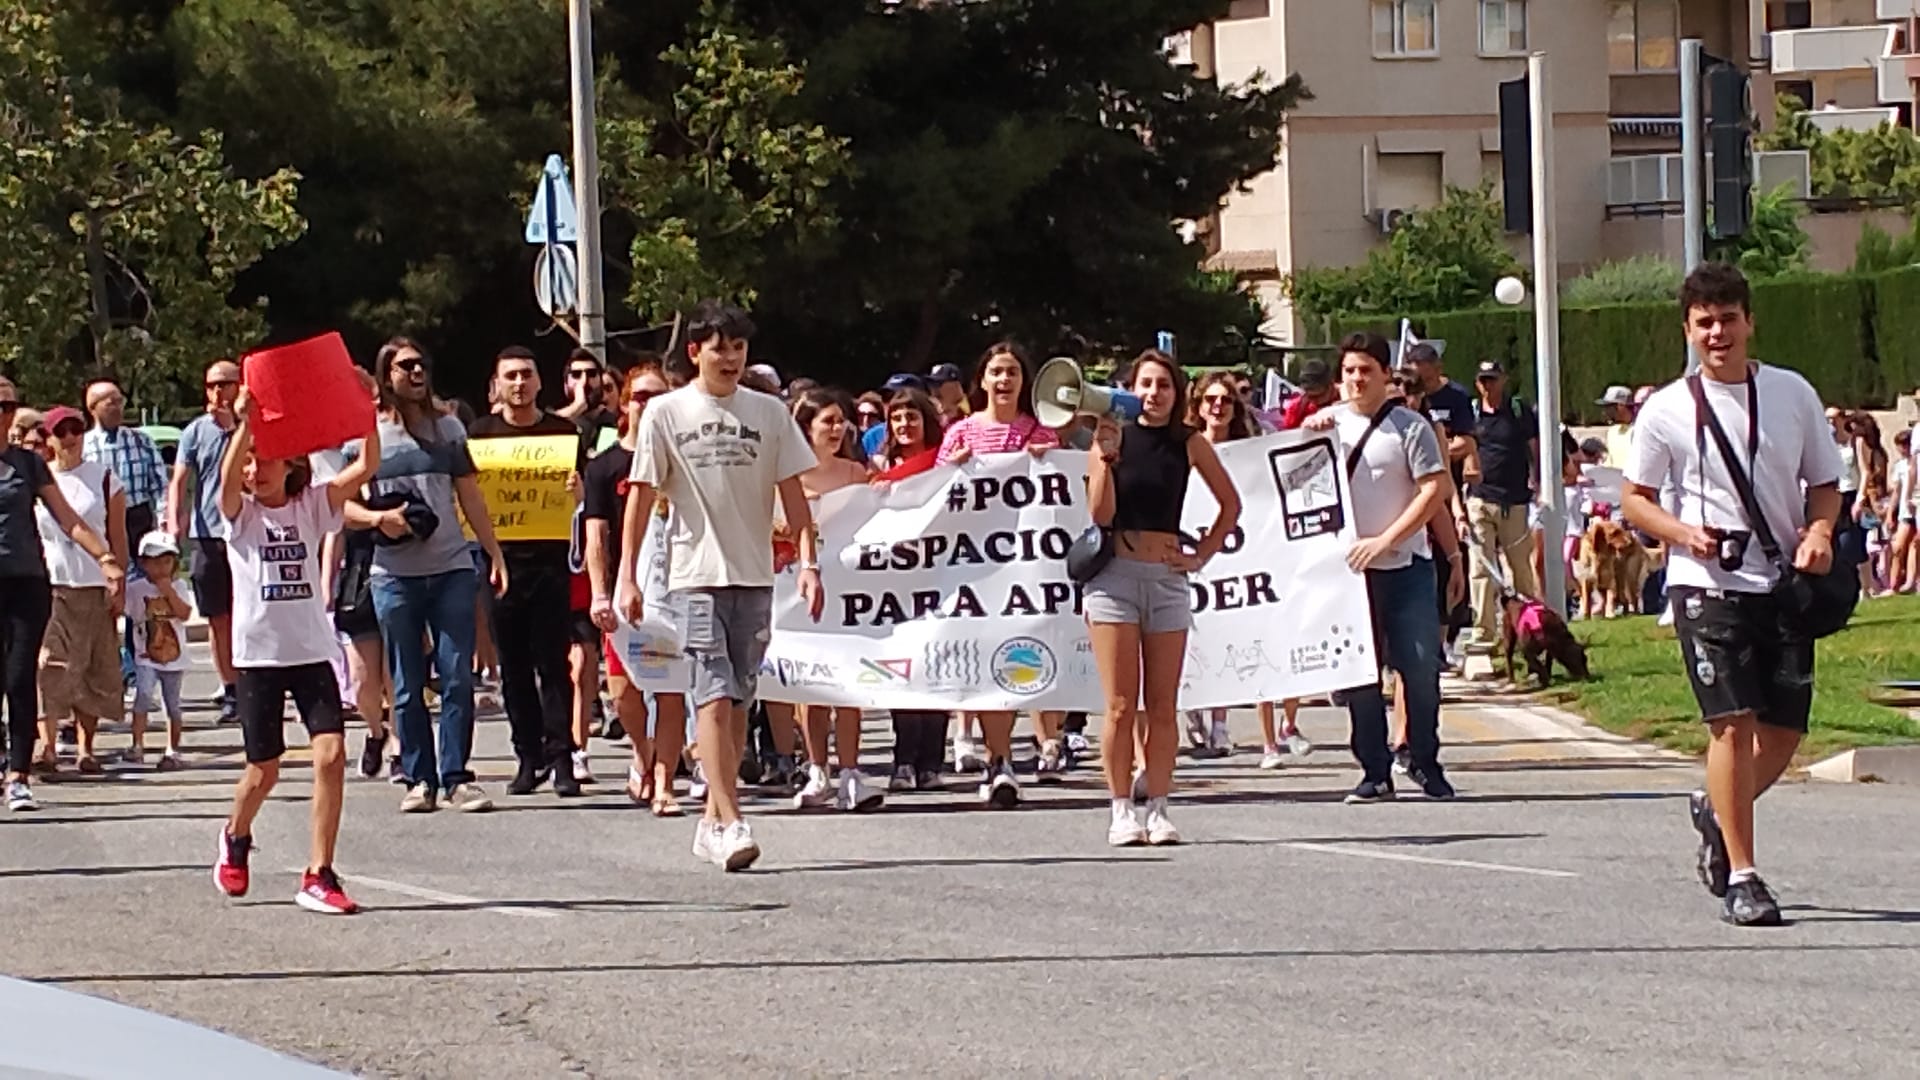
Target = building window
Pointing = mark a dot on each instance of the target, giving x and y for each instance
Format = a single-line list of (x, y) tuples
[(1410, 181), (1503, 26), (1248, 9), (1789, 14), (1801, 89), (1643, 35), (1403, 28)]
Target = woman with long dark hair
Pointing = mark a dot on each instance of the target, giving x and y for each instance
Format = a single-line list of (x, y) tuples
[(911, 447), (1002, 422), (1140, 607)]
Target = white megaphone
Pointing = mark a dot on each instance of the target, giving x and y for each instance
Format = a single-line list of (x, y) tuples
[(1061, 393)]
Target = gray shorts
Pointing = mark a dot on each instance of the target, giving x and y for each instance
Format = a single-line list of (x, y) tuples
[(727, 632), (1149, 595)]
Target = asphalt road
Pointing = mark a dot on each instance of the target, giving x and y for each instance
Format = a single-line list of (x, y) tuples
[(1548, 921)]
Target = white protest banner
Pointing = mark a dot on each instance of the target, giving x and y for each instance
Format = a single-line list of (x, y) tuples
[(949, 590), (651, 652)]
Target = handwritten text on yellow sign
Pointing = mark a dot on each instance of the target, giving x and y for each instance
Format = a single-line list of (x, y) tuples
[(525, 482)]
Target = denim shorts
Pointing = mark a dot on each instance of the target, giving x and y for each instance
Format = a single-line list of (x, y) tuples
[(1150, 595), (727, 634)]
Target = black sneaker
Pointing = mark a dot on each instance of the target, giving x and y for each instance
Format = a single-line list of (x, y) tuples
[(1749, 903), (616, 731), (372, 753), (1403, 760), (564, 785), (229, 706), (1712, 863), (395, 774), (1371, 791), (528, 777), (1433, 783)]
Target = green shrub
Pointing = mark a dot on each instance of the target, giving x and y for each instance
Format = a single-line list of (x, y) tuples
[(1896, 328), (1641, 279), (1819, 326)]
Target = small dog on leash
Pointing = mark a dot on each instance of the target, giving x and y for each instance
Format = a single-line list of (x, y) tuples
[(1542, 638)]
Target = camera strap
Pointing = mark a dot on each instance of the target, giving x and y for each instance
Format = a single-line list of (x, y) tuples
[(1707, 420), (1360, 444)]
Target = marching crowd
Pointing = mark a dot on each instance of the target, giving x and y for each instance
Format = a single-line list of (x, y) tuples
[(345, 581)]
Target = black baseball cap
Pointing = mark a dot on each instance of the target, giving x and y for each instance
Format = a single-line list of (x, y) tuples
[(1420, 352), (943, 373), (904, 381), (1490, 369), (1315, 374)]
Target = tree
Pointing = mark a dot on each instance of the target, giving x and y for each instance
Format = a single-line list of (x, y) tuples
[(715, 171), (1880, 164), (1876, 250), (125, 241), (1774, 243), (1444, 258)]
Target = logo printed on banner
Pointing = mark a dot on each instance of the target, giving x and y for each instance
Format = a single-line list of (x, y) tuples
[(885, 671), (951, 665), (1328, 653), (1024, 666), (800, 672), (1309, 489)]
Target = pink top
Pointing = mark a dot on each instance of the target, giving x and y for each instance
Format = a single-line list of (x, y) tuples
[(1529, 620), (984, 435)]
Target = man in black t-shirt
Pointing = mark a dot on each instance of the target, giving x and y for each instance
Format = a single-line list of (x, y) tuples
[(1506, 446), (531, 621)]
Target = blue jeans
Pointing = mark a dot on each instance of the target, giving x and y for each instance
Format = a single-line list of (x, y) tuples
[(1403, 603), (410, 607)]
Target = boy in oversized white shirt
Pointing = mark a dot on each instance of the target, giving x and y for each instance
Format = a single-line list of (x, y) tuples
[(158, 614), (283, 645), (1749, 658)]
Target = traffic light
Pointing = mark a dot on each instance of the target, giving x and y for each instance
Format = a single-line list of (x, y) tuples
[(1516, 154), (1730, 140)]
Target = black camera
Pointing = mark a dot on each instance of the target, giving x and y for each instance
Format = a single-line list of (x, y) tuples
[(1732, 547)]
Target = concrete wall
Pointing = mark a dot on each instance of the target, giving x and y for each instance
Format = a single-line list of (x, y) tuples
[(1833, 236)]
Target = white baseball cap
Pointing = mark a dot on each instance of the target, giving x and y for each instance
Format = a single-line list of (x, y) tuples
[(1616, 395), (158, 543)]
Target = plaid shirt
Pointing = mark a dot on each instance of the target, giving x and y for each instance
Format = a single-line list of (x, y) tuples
[(131, 455)]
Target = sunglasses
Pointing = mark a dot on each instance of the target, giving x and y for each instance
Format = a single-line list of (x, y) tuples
[(1217, 399), (410, 364), (583, 373), (221, 384), (641, 397)]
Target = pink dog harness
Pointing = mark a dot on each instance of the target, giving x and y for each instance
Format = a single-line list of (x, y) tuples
[(1529, 620)]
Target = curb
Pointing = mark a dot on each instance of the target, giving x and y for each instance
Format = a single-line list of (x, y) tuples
[(1870, 765)]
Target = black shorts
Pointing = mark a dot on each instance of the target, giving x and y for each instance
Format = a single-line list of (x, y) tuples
[(357, 623), (581, 631), (1744, 655), (212, 578), (262, 694)]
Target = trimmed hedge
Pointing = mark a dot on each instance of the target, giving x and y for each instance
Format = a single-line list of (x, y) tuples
[(1855, 337)]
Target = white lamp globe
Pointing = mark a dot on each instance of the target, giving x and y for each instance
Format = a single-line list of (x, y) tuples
[(1510, 291)]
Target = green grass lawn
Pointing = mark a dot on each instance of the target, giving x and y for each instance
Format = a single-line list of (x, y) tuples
[(1640, 689)]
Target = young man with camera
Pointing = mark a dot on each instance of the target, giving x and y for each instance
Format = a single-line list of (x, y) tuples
[(1744, 634)]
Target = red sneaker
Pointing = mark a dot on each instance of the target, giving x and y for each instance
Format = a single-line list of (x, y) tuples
[(320, 892), (230, 873)]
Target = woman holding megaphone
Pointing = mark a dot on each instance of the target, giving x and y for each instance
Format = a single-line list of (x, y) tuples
[(1139, 607)]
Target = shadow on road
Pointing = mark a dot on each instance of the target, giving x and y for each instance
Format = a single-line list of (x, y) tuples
[(101, 871), (855, 865)]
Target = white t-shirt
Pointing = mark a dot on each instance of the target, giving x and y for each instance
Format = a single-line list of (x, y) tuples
[(87, 486), (1849, 468), (1401, 451), (718, 460), (154, 620), (279, 612), (1796, 447)]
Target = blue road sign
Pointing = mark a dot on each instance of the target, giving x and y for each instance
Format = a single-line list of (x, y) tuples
[(553, 220)]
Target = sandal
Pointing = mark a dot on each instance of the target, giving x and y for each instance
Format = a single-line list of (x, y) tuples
[(667, 807), (639, 789), (89, 766)]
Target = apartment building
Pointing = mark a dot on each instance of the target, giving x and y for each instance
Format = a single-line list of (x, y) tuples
[(1853, 62), (1405, 102)]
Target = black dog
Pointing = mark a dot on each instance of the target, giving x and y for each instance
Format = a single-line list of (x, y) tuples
[(1543, 638)]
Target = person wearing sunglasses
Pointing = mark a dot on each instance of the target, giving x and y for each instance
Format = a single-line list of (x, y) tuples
[(587, 402), (199, 523), (26, 593), (423, 578)]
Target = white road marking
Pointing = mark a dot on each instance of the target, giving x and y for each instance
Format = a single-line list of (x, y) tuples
[(1401, 856), (1590, 741), (418, 892)]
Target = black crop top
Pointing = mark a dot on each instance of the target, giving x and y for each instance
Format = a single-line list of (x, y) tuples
[(1150, 478)]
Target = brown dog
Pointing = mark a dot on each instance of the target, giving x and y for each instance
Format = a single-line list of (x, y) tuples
[(1610, 569), (1542, 637)]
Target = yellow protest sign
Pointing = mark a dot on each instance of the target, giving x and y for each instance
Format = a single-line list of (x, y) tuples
[(525, 482)]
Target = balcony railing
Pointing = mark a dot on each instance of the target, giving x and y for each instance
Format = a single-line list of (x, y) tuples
[(1656, 179), (1899, 9), (1852, 119), (1836, 48), (1895, 74)]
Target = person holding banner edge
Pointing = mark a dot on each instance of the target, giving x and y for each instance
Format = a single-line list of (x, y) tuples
[(721, 453), (910, 447), (1001, 422), (1139, 608)]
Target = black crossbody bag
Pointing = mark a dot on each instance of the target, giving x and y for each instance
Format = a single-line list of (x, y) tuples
[(1820, 604)]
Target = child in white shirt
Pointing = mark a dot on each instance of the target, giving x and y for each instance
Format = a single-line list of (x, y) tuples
[(158, 616), (283, 645)]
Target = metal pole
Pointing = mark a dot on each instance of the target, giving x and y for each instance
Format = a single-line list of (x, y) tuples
[(1546, 333), (1693, 167), (586, 179)]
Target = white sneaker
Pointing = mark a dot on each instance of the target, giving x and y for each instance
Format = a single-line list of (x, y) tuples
[(733, 847), (1052, 763), (697, 790), (1126, 829), (817, 792), (1298, 746), (582, 769), (1220, 738), (706, 838), (856, 793), (904, 779), (966, 756), (1272, 759), (468, 799), (20, 797), (419, 799), (1000, 790), (1160, 830)]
